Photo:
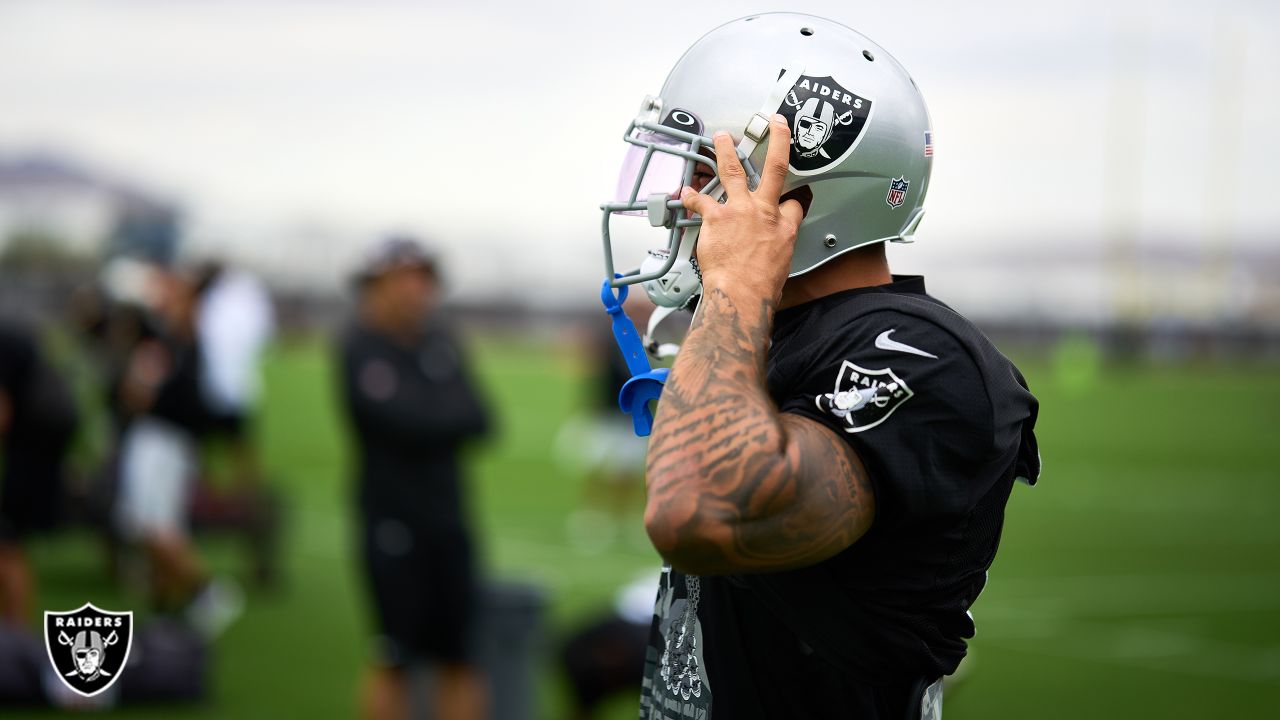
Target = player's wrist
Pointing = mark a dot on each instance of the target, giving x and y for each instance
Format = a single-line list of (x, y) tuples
[(741, 287)]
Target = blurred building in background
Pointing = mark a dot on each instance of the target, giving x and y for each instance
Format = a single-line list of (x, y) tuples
[(1106, 166)]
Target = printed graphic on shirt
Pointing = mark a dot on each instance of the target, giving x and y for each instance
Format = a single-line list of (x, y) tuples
[(675, 685), (931, 703), (864, 398), (377, 380)]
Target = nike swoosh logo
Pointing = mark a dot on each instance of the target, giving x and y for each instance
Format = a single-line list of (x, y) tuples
[(884, 343)]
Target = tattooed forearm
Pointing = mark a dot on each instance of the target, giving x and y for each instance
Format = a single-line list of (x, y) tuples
[(733, 485)]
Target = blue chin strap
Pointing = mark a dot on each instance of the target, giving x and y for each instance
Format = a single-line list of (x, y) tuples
[(645, 383)]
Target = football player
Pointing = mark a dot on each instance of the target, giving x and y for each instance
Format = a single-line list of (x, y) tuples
[(834, 447)]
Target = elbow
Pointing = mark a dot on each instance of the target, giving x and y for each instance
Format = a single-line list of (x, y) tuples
[(690, 542), (660, 528)]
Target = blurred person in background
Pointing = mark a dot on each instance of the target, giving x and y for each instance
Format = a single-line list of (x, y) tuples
[(163, 413), (412, 406), (234, 322), (37, 421)]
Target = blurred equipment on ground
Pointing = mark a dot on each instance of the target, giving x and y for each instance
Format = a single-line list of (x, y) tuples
[(605, 657)]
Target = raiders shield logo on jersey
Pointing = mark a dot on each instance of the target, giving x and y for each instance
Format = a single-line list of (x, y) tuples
[(826, 121), (88, 647), (864, 398)]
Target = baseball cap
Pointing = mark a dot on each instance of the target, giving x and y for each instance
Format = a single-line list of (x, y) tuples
[(393, 253)]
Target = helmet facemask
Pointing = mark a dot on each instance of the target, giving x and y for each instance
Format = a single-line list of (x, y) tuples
[(663, 159)]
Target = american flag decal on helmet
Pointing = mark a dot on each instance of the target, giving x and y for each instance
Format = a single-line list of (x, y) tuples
[(928, 143)]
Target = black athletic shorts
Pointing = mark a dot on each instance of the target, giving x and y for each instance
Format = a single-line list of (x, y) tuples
[(422, 586)]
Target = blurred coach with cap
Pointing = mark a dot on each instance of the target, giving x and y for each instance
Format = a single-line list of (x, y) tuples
[(412, 406)]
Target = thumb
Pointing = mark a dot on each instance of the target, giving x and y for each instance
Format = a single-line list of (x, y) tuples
[(792, 211), (694, 201)]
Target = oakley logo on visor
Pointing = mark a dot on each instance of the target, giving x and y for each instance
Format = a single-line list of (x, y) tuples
[(683, 120)]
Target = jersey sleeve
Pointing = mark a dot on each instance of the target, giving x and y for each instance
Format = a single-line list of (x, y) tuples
[(910, 399)]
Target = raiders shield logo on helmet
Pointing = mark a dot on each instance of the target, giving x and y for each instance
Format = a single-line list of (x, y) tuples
[(826, 121), (88, 647)]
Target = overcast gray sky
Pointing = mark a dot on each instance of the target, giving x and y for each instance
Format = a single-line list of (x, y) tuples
[(494, 127)]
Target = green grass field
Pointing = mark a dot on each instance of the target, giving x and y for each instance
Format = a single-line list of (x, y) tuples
[(1140, 579)]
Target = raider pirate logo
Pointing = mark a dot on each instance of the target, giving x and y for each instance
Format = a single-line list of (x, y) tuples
[(88, 646), (864, 398), (826, 121)]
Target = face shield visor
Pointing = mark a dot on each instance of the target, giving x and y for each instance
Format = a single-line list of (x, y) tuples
[(666, 152)]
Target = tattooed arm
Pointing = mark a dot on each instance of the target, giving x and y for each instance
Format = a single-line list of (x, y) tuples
[(733, 485)]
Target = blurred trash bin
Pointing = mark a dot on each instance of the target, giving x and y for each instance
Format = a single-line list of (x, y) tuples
[(22, 660), (169, 662), (507, 645), (509, 640)]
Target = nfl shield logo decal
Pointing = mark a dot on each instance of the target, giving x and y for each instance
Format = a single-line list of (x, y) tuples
[(88, 647), (826, 122), (897, 191)]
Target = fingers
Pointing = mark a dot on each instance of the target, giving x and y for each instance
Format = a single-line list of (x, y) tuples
[(732, 176), (792, 212), (694, 201), (776, 160)]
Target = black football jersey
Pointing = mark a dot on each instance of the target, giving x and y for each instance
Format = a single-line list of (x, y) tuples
[(944, 424)]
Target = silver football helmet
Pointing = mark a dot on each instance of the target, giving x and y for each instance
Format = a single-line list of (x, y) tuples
[(860, 140)]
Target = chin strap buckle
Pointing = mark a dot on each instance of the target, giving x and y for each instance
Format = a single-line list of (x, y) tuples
[(757, 128), (646, 383)]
